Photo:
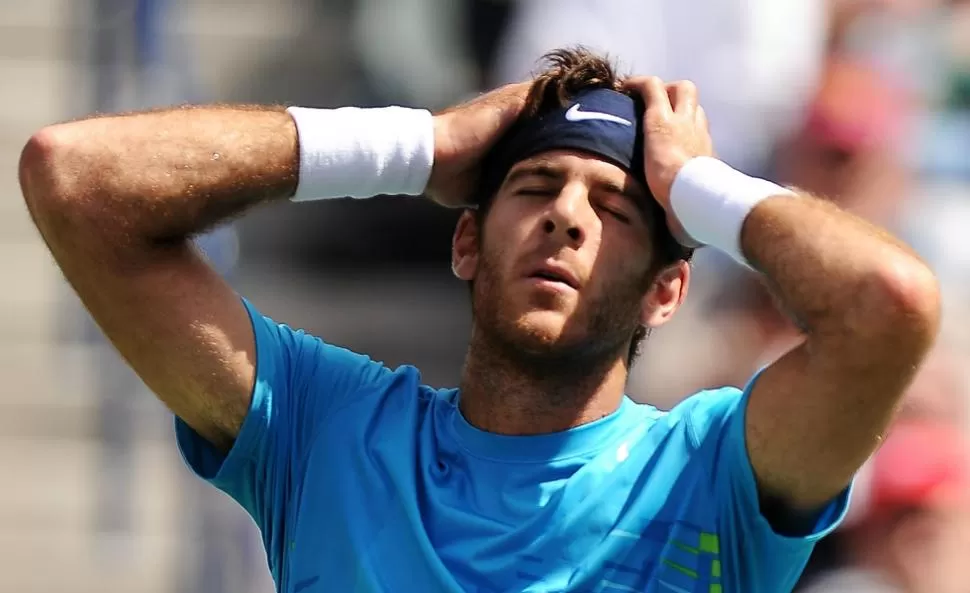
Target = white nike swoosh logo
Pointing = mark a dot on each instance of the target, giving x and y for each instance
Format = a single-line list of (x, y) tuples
[(574, 114)]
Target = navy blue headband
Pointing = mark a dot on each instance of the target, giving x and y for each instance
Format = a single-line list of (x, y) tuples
[(602, 122)]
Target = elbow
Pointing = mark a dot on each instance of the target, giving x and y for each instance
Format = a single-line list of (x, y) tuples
[(40, 172), (52, 181), (907, 303)]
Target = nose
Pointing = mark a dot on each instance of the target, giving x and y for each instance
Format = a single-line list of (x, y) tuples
[(568, 216)]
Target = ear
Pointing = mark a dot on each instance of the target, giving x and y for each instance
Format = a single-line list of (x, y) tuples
[(465, 247), (665, 294)]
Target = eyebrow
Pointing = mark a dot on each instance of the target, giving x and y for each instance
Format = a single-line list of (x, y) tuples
[(543, 170), (629, 193)]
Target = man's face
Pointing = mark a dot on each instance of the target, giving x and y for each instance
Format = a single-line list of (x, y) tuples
[(562, 265)]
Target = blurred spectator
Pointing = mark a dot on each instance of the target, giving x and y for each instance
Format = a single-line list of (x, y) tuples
[(850, 146), (915, 534)]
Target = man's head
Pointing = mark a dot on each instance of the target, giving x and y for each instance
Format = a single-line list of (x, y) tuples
[(568, 255)]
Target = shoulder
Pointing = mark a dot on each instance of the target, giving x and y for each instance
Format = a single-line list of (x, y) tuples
[(706, 414), (695, 427), (302, 360), (315, 379)]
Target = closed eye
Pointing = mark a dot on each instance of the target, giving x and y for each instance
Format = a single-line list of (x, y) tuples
[(537, 191), (618, 215), (621, 217)]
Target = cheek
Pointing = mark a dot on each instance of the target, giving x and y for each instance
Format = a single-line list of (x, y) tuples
[(623, 265), (504, 239), (495, 260), (510, 218)]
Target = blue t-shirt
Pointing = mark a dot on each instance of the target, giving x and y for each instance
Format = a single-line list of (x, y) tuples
[(361, 479)]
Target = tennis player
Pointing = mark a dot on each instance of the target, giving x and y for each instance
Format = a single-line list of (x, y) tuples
[(536, 474)]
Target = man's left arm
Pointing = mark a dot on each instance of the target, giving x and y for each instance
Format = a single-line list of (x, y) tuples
[(869, 308)]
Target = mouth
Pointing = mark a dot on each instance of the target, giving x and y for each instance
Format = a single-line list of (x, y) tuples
[(556, 275)]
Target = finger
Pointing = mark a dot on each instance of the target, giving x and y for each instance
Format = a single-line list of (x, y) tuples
[(501, 106), (515, 95), (504, 97), (651, 89), (701, 118), (516, 90), (683, 96)]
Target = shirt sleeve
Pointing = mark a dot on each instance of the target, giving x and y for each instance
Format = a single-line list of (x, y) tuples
[(718, 426), (300, 381)]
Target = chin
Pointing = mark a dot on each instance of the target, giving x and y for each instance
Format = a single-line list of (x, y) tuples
[(544, 332), (533, 324)]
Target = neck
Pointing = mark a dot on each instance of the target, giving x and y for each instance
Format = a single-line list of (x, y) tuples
[(507, 393)]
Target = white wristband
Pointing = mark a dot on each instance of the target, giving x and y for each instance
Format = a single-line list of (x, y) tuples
[(712, 200), (360, 153)]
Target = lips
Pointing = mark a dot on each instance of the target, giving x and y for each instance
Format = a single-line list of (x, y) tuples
[(556, 273)]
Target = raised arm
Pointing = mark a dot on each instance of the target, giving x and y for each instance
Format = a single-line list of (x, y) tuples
[(117, 199), (870, 311), (868, 306)]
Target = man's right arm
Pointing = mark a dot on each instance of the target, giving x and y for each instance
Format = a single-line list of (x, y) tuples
[(117, 199)]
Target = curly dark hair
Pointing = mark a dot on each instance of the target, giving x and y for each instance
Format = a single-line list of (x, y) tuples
[(564, 74)]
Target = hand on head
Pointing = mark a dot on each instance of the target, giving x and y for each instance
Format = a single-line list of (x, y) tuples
[(463, 136), (675, 130)]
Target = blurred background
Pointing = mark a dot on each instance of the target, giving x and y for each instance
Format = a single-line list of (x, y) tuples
[(865, 101)]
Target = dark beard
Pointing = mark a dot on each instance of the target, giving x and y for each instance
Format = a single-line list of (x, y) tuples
[(609, 327)]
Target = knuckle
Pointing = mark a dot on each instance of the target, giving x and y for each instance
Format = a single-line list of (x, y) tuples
[(686, 88), (656, 128)]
